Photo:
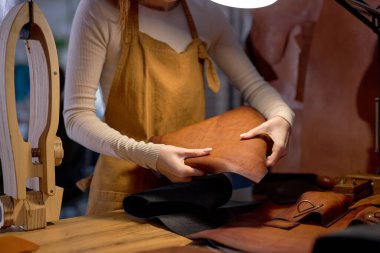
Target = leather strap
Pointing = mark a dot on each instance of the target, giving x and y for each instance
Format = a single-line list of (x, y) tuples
[(324, 208)]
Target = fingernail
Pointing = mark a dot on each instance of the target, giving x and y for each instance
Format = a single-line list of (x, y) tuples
[(208, 149), (242, 135)]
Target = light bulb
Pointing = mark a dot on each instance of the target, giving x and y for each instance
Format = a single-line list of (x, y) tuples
[(246, 4)]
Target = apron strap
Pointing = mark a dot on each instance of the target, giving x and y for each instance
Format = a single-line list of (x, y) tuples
[(132, 29), (132, 26), (211, 74), (190, 21)]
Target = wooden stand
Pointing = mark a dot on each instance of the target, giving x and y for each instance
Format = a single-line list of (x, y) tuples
[(29, 164)]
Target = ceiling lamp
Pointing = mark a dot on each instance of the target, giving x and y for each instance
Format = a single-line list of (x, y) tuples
[(246, 4)]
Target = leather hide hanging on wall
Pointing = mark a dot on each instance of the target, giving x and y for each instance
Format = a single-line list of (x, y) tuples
[(323, 60)]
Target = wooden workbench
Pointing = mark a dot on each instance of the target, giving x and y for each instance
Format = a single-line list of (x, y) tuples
[(111, 232)]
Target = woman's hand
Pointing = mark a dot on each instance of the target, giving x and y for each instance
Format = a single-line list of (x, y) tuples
[(171, 163), (278, 129)]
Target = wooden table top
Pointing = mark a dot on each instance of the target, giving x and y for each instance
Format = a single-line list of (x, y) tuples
[(110, 232)]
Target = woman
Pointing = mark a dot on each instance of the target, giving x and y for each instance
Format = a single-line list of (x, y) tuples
[(149, 57)]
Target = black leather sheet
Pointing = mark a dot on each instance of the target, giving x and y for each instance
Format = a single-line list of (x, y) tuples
[(187, 208), (358, 238), (286, 188)]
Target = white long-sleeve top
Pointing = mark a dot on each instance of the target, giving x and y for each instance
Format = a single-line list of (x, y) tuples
[(94, 51)]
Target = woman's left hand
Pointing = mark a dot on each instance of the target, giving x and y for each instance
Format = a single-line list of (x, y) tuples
[(278, 129)]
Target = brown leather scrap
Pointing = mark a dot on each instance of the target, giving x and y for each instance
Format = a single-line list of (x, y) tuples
[(372, 200), (222, 133), (13, 244), (321, 208)]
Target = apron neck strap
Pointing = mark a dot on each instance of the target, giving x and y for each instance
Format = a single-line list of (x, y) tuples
[(132, 30), (190, 20), (132, 26)]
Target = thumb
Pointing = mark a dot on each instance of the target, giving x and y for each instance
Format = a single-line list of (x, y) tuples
[(251, 133), (193, 172)]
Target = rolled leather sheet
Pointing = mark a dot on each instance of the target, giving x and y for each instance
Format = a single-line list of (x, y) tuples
[(222, 133), (189, 207)]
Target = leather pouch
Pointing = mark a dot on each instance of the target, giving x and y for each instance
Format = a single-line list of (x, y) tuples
[(321, 208), (222, 133), (370, 213)]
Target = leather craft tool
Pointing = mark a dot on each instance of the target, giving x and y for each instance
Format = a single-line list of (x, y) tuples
[(355, 188), (32, 199)]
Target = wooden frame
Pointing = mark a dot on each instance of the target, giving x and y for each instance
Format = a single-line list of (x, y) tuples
[(30, 164)]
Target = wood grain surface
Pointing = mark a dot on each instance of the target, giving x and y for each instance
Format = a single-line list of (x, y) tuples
[(110, 232)]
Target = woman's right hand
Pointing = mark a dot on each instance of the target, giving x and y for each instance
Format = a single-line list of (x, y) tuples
[(171, 163)]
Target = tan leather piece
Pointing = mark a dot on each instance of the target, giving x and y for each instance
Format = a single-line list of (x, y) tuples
[(320, 208), (248, 233), (222, 133), (13, 244)]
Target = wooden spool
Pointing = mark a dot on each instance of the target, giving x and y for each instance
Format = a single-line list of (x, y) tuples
[(30, 163)]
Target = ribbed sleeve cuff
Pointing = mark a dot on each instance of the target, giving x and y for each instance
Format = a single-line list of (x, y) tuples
[(139, 152), (152, 155), (285, 113), (288, 117)]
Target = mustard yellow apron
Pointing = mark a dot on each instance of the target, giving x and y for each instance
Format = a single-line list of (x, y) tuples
[(155, 90)]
